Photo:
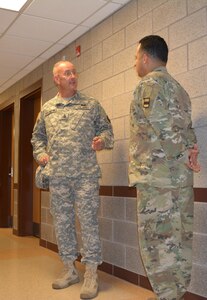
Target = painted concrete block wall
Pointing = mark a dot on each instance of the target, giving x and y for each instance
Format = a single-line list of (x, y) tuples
[(106, 72)]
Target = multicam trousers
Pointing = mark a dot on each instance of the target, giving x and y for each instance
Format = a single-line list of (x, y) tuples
[(68, 196), (165, 226)]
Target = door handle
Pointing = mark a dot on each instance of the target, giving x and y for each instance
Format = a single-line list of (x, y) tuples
[(11, 174)]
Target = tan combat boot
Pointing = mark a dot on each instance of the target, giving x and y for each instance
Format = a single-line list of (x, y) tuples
[(68, 277), (89, 289)]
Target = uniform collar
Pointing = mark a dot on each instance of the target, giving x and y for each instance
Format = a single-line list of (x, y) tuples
[(64, 101), (160, 69)]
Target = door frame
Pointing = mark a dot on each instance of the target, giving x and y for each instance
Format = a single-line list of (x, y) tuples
[(26, 165), (6, 162)]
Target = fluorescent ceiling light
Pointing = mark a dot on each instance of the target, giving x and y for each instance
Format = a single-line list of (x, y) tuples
[(12, 4)]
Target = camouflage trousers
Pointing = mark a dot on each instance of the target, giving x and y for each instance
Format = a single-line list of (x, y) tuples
[(165, 227), (69, 197)]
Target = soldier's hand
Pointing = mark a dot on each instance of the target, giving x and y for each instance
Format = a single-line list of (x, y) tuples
[(44, 160), (193, 159), (98, 144)]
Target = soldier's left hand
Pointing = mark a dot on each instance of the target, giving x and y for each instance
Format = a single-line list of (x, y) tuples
[(193, 159), (97, 144)]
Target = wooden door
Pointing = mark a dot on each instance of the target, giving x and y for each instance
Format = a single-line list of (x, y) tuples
[(29, 196), (6, 167)]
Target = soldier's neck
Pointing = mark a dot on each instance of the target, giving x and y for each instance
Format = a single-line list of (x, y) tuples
[(66, 94)]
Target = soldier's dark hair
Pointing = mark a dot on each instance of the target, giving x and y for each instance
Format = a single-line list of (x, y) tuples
[(155, 46)]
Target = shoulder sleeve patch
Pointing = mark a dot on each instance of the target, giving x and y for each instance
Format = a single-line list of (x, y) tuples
[(146, 97)]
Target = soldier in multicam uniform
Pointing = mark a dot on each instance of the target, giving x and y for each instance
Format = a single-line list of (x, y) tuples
[(163, 156), (69, 130)]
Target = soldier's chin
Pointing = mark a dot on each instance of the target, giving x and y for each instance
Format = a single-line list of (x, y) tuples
[(73, 88)]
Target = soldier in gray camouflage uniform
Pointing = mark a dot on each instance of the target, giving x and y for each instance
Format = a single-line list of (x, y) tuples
[(163, 156), (69, 130)]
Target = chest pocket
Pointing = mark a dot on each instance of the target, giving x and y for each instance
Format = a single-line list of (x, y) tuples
[(75, 118), (76, 114), (53, 119), (62, 118)]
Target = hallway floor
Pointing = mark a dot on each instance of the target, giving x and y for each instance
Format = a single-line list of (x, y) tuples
[(27, 271)]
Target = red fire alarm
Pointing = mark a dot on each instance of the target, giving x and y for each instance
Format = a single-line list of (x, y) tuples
[(78, 50)]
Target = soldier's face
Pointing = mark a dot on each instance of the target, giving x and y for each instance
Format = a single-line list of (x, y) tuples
[(140, 62), (66, 77)]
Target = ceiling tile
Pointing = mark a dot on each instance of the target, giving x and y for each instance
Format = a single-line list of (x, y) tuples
[(101, 14), (34, 64), (6, 17), (19, 61), (52, 51), (39, 28), (77, 32), (19, 45), (72, 11)]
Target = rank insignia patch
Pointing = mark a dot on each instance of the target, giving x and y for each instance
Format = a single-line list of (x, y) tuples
[(146, 102)]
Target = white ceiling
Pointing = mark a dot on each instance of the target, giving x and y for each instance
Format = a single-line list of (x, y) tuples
[(41, 29)]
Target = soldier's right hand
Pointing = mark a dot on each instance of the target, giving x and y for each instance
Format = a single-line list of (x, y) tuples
[(44, 160)]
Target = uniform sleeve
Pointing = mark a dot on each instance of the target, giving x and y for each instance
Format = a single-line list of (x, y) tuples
[(39, 138), (192, 140), (190, 133), (103, 127), (170, 117)]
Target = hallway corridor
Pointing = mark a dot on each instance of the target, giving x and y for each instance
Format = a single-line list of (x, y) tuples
[(27, 271)]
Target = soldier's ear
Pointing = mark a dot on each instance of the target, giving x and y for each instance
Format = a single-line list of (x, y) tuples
[(56, 79), (145, 58)]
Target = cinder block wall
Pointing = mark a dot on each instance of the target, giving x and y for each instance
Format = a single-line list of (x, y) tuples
[(106, 72)]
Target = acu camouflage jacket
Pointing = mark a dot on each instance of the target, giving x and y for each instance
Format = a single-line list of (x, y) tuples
[(161, 132), (65, 129)]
